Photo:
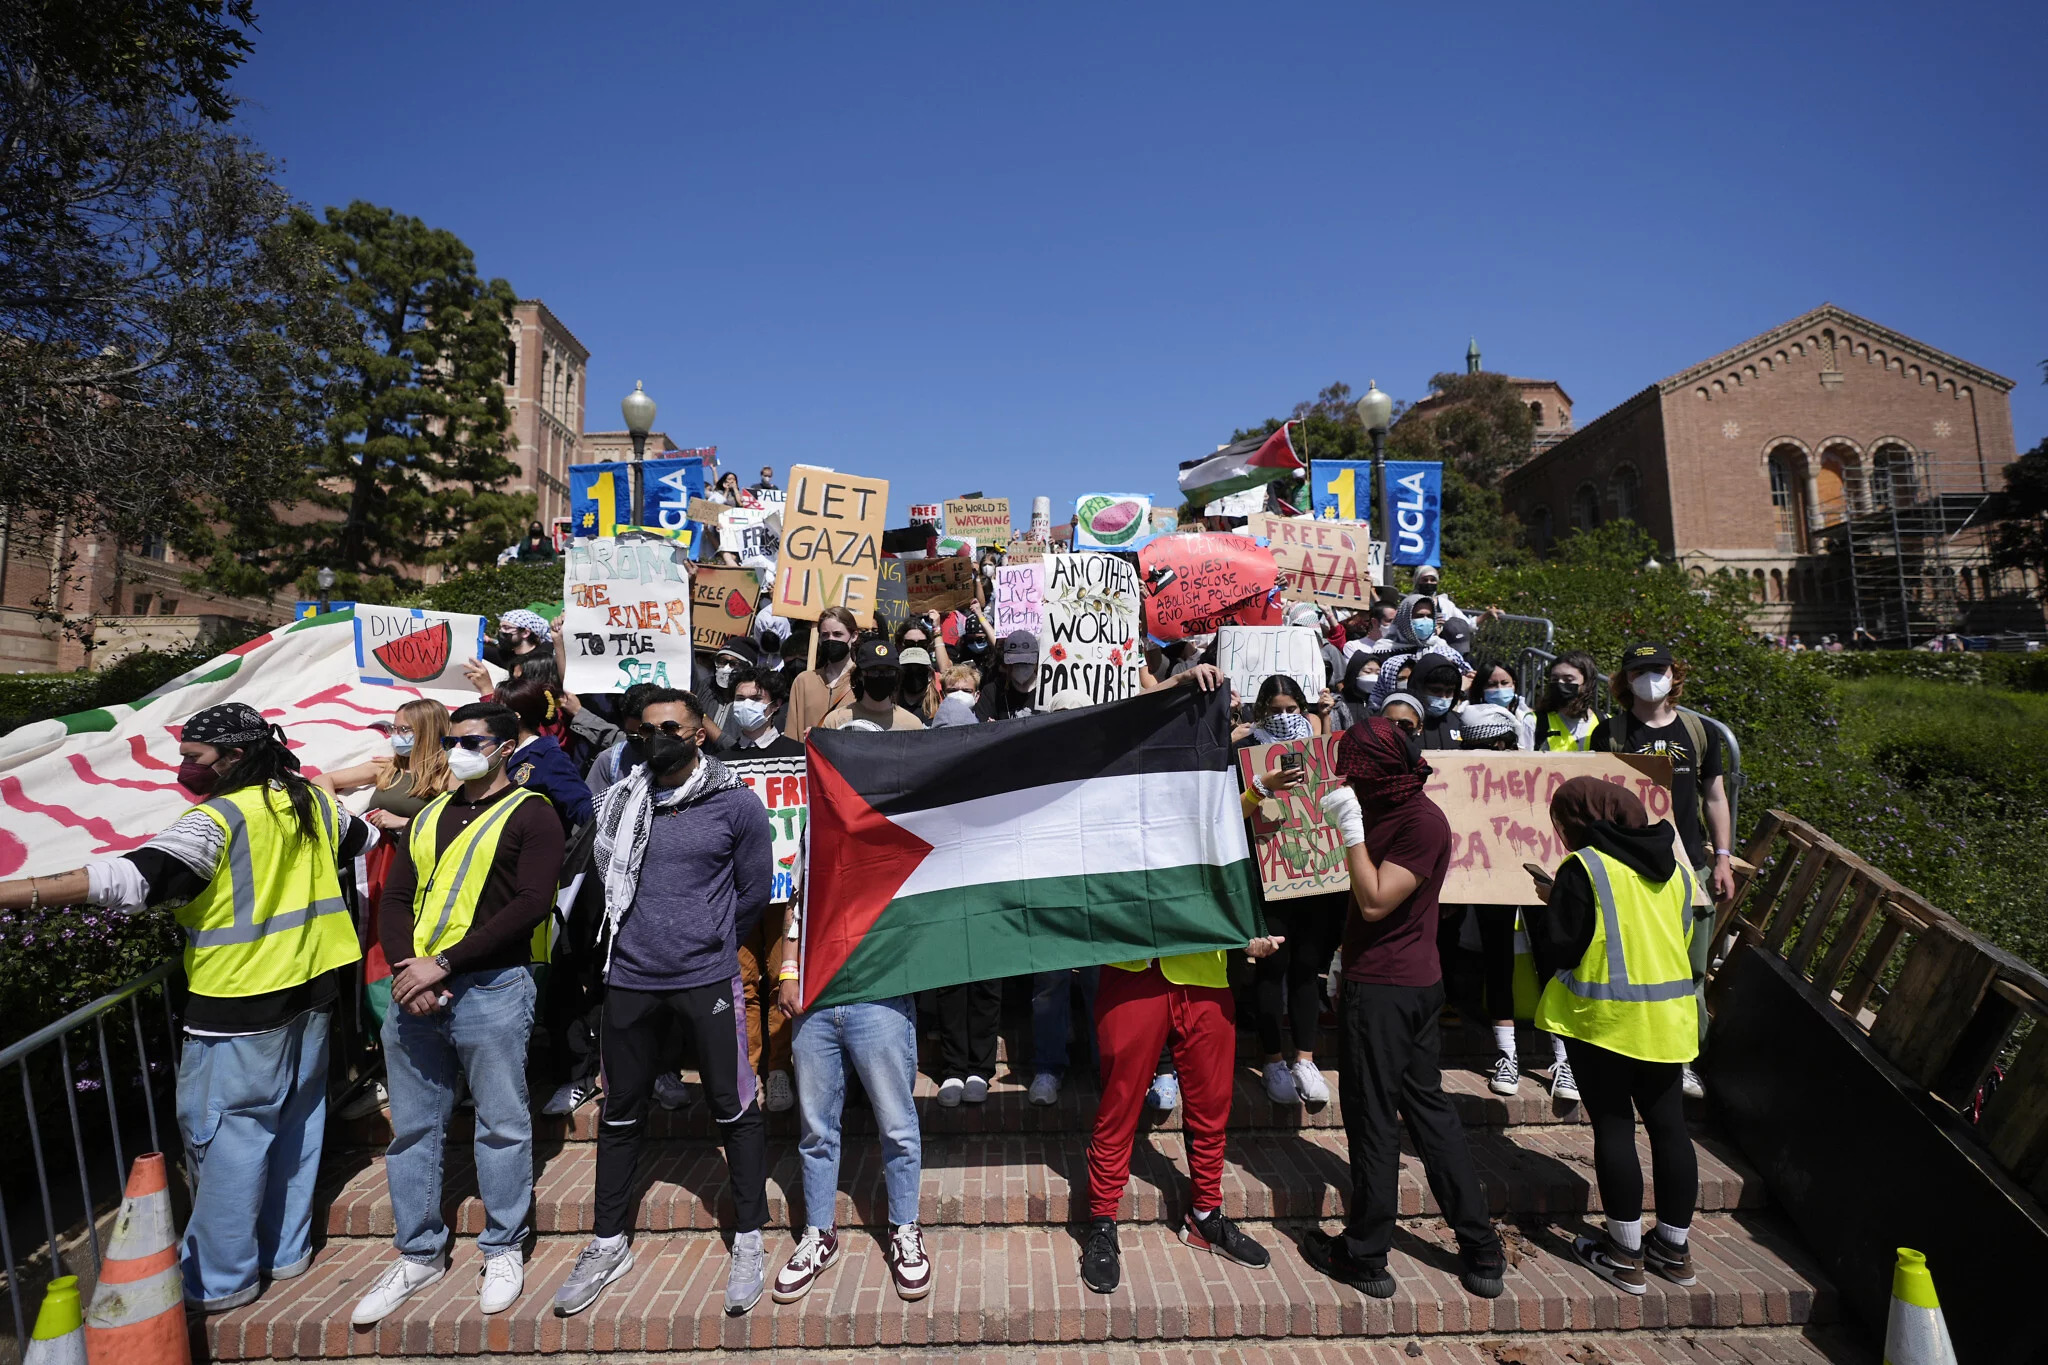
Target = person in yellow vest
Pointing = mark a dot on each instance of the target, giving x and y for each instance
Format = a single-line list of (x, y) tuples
[(1613, 946), (252, 873), (475, 875), (1564, 720)]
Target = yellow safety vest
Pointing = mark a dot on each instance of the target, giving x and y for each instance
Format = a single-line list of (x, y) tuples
[(1559, 738), (276, 918), (447, 886), (1188, 969), (1633, 991)]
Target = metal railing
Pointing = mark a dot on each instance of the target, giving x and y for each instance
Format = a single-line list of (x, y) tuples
[(33, 1050)]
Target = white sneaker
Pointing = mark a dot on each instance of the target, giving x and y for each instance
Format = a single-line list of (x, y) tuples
[(1164, 1094), (673, 1092), (1689, 1082), (399, 1282), (1308, 1079), (974, 1090), (1280, 1086), (1507, 1074), (950, 1091), (571, 1096), (504, 1279), (781, 1094), (1563, 1085), (372, 1098), (1045, 1089)]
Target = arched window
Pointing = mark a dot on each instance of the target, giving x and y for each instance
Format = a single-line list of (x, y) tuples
[(1777, 586), (1536, 411), (1625, 487), (1756, 584), (1788, 495), (1586, 508), (569, 397), (1893, 479), (511, 362), (1541, 530)]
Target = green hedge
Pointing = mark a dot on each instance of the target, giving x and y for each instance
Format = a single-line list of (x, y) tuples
[(2012, 672), (26, 697), (489, 592)]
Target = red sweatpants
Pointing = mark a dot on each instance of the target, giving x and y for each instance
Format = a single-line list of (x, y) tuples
[(1134, 1012)]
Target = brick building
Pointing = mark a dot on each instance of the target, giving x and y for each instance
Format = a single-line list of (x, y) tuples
[(544, 381), (1549, 405), (1845, 469)]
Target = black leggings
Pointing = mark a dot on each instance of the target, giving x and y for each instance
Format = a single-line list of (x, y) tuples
[(1613, 1088), (1497, 956), (1286, 986)]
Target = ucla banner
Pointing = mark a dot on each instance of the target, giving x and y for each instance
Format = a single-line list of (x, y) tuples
[(1341, 490), (1414, 505), (666, 487), (600, 498)]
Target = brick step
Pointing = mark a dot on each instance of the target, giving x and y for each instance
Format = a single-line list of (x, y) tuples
[(1021, 1285), (1007, 1110), (1463, 1039), (990, 1180)]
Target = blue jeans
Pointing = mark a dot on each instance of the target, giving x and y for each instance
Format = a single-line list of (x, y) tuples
[(482, 1033), (252, 1111), (880, 1038), (1051, 1015)]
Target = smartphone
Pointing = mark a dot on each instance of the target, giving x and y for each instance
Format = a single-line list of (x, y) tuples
[(1296, 760), (1536, 871)]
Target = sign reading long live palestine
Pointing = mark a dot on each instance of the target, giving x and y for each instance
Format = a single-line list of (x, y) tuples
[(831, 554), (625, 615), (1091, 640)]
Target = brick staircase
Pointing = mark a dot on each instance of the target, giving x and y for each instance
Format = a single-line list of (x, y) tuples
[(1001, 1183)]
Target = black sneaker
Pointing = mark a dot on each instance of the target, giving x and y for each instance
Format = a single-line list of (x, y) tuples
[(1483, 1272), (1101, 1267), (1218, 1234), (1329, 1255)]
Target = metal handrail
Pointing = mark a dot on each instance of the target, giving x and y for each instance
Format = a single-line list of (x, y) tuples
[(50, 1033)]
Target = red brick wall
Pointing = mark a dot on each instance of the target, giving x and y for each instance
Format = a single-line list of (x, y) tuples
[(1631, 436)]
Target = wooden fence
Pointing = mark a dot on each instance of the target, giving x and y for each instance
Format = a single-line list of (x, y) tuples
[(1937, 1001)]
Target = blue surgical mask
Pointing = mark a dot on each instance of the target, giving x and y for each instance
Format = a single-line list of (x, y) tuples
[(401, 745), (1500, 696), (1437, 705), (1424, 628)]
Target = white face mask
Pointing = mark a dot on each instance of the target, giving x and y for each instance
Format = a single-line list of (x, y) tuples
[(1650, 686), (467, 765), (722, 674), (750, 713)]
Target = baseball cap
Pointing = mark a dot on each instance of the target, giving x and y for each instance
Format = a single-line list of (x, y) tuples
[(874, 652), (914, 655), (742, 649), (1020, 647), (1457, 632), (1647, 654)]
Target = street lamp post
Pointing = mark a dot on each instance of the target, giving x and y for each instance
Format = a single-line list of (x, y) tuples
[(639, 411), (325, 578), (1376, 411)]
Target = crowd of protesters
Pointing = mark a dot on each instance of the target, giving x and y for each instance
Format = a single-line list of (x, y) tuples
[(579, 892)]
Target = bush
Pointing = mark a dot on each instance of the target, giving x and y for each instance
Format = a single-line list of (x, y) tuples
[(490, 592), (26, 697), (57, 958), (2012, 672)]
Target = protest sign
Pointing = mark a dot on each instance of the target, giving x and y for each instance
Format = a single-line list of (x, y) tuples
[(1414, 499), (1498, 805), (302, 611), (770, 498), (985, 521), (1341, 490), (938, 584), (669, 488), (626, 609), (892, 598), (416, 647), (750, 532), (1020, 599), (722, 605), (924, 513), (1238, 504), (1248, 655), (1091, 639), (1165, 521), (1328, 562), (600, 498), (781, 785), (1112, 521), (706, 511), (1196, 582), (1300, 852), (831, 552), (1025, 550)]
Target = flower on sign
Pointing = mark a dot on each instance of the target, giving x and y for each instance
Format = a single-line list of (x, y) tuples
[(1059, 654), (1116, 657)]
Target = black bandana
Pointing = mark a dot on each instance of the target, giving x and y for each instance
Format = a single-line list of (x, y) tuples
[(232, 725)]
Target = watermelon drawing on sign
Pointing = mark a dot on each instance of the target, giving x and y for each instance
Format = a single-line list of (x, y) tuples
[(737, 606), (420, 656), (1112, 522)]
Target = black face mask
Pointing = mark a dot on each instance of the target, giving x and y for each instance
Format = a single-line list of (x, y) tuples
[(1414, 745), (832, 651), (662, 754), (1564, 689), (880, 685), (917, 680)]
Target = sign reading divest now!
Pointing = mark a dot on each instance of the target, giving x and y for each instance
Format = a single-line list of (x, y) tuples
[(831, 554), (626, 615)]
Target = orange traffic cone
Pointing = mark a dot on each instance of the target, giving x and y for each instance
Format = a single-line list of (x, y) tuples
[(138, 1308), (59, 1335)]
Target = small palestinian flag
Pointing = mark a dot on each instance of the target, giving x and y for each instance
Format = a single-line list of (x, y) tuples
[(1245, 464), (1107, 834)]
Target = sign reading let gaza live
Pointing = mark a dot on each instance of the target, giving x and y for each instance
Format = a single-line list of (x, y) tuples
[(831, 553), (1414, 495)]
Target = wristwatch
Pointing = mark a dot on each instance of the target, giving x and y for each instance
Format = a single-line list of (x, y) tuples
[(441, 961)]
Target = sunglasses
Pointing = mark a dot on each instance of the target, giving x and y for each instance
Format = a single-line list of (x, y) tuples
[(473, 743), (674, 729), (1408, 727)]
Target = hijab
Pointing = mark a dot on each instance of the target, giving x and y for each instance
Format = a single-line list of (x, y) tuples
[(1383, 766), (1586, 801)]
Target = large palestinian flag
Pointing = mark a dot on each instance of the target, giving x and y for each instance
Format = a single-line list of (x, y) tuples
[(1106, 834)]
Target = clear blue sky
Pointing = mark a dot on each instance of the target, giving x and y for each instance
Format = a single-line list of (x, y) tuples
[(1058, 248)]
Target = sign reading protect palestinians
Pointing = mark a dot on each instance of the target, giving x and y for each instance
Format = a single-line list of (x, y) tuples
[(985, 521), (1248, 655), (780, 784), (831, 554), (1091, 639), (626, 608), (1327, 562), (1300, 852), (1112, 521)]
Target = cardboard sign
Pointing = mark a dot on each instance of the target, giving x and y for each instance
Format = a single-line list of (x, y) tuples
[(1196, 582), (985, 521), (1499, 808), (722, 605), (750, 532), (1020, 600), (626, 615), (926, 513), (1300, 852), (1091, 639), (411, 647), (892, 599), (1112, 521), (831, 553), (1025, 549), (1248, 655), (1327, 562), (938, 584), (781, 785), (706, 511)]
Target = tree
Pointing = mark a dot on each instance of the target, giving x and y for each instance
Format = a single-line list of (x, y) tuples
[(163, 324), (2021, 541), (411, 451), (1478, 426)]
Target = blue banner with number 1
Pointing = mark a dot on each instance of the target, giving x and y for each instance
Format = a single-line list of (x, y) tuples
[(1341, 490)]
